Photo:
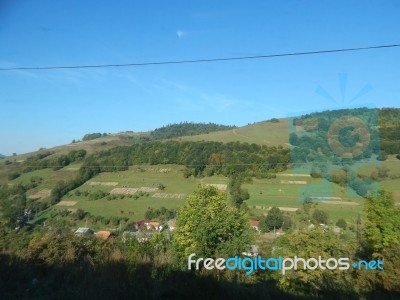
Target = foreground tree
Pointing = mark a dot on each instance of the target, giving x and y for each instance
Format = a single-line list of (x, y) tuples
[(382, 227), (381, 240), (208, 226), (318, 283)]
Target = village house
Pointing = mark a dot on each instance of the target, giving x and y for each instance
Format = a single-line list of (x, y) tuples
[(148, 224), (81, 231), (171, 224), (141, 224), (153, 226), (252, 252), (254, 224), (103, 234)]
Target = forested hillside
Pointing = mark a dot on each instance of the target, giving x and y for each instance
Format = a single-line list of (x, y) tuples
[(186, 129)]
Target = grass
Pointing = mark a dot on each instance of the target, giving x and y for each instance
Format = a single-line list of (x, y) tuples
[(263, 133), (392, 185), (92, 146), (263, 192), (49, 176), (271, 192), (136, 177)]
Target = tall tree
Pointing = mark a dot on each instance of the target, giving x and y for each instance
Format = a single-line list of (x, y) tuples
[(382, 227), (208, 226), (381, 236), (274, 220)]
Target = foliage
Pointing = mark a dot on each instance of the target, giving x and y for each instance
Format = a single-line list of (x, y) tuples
[(12, 203), (316, 283), (383, 139), (273, 120), (341, 223), (382, 226), (13, 175), (199, 157), (47, 160), (237, 193), (161, 186), (163, 214), (92, 136), (209, 227), (273, 220), (320, 216), (381, 239), (186, 128)]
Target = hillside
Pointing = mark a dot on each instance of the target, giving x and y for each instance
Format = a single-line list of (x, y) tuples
[(263, 133), (112, 183), (211, 154), (186, 129)]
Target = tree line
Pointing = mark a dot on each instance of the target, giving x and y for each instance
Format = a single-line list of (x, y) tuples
[(185, 129)]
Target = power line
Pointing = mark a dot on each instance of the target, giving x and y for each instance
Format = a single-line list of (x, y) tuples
[(175, 62)]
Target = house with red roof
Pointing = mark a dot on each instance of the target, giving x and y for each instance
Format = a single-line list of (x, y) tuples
[(254, 224)]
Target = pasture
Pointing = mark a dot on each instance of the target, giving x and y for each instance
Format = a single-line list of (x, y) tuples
[(288, 195), (137, 189), (262, 133)]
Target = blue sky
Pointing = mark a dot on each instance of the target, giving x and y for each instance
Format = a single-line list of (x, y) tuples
[(47, 108)]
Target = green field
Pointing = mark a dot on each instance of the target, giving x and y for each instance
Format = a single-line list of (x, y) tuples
[(170, 176), (266, 193), (49, 177), (262, 133), (391, 183)]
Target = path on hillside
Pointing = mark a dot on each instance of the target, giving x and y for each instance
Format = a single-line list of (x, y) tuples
[(239, 134)]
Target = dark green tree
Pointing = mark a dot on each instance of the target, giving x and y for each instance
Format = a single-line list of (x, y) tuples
[(320, 216), (341, 223), (273, 220), (208, 226)]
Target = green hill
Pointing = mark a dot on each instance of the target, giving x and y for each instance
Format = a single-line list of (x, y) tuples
[(270, 133), (186, 129), (136, 163)]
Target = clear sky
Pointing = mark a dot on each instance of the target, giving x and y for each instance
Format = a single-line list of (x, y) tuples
[(47, 108)]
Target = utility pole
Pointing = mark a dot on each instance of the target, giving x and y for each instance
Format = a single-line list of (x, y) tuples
[(358, 222)]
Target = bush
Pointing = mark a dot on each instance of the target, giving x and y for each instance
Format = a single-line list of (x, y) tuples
[(341, 223), (320, 216), (161, 187), (13, 175)]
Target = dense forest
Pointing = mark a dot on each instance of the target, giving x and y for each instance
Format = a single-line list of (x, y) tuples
[(186, 128), (382, 125), (334, 141), (198, 157)]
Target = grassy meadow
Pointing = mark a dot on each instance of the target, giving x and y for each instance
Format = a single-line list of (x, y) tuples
[(262, 133)]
